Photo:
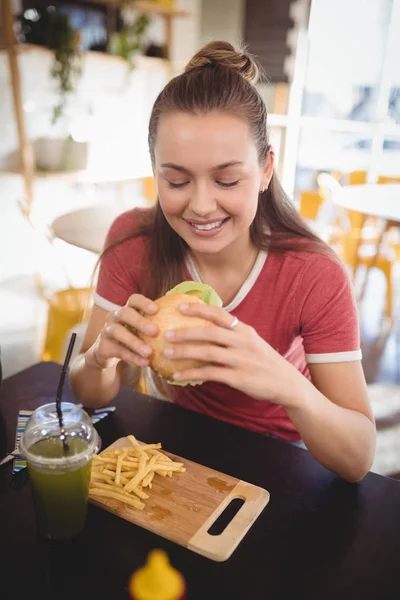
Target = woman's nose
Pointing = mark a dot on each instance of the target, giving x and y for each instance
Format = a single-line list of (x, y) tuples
[(202, 201)]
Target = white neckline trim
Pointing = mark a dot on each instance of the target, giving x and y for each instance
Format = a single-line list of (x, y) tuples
[(247, 285), (240, 296)]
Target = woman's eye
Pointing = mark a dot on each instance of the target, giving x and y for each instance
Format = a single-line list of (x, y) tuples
[(228, 185), (177, 185)]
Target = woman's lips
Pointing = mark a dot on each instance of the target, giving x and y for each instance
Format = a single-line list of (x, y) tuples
[(207, 228)]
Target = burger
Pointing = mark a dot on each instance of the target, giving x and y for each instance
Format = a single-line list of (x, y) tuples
[(169, 317)]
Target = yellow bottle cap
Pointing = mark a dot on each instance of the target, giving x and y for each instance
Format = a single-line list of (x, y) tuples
[(157, 580)]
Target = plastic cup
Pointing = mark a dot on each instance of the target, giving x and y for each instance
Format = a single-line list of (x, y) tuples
[(59, 480)]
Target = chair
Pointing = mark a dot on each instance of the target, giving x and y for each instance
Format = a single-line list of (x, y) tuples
[(66, 309), (360, 178), (390, 228), (357, 177), (353, 243), (149, 189), (84, 228), (310, 202), (383, 179), (310, 209)]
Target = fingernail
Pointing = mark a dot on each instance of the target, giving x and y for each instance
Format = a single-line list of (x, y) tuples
[(176, 375), (145, 350), (144, 362), (169, 352), (151, 308), (184, 306), (169, 335), (150, 329)]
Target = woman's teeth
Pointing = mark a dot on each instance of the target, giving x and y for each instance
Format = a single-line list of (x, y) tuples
[(208, 226)]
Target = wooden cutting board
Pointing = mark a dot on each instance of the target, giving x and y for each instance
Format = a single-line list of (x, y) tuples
[(183, 508)]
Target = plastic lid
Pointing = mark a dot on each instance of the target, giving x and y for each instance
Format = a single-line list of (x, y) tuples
[(157, 580)]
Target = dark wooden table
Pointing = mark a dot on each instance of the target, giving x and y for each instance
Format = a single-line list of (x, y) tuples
[(319, 538)]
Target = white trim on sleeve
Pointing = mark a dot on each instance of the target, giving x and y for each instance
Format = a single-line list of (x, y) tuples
[(103, 303), (334, 357)]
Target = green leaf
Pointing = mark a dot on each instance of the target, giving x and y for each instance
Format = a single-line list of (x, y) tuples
[(201, 290), (183, 383)]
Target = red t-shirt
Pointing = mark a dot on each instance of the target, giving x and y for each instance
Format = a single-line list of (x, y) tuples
[(301, 303)]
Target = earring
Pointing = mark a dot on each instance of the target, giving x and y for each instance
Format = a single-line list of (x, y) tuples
[(263, 189)]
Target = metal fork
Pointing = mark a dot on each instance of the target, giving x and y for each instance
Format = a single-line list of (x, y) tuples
[(15, 454)]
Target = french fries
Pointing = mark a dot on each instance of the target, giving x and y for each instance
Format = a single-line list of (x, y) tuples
[(122, 474)]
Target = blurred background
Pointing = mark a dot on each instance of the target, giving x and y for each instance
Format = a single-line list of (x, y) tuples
[(77, 83)]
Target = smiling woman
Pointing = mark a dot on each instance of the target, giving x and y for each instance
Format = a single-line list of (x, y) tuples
[(200, 192), (291, 365)]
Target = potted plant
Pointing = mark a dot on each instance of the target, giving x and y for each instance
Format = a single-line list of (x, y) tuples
[(47, 27), (129, 42)]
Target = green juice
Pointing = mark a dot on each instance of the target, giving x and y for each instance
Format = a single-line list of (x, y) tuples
[(60, 491)]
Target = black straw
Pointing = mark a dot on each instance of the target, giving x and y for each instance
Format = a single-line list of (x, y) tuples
[(63, 434)]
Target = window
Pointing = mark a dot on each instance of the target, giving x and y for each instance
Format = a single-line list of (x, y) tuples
[(344, 99)]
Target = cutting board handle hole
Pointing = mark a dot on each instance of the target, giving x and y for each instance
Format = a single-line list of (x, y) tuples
[(227, 515)]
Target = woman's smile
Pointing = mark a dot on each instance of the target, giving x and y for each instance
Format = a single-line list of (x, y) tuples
[(209, 176), (208, 228)]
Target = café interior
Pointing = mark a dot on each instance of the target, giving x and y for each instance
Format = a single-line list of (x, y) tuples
[(78, 80), (77, 83)]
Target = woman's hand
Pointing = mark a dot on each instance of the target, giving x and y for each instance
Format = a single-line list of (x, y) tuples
[(116, 342), (239, 357)]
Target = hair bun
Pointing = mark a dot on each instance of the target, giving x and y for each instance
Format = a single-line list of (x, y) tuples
[(225, 55)]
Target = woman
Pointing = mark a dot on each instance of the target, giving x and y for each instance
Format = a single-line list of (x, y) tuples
[(285, 348)]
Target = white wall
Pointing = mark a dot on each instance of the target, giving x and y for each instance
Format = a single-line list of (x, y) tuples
[(186, 32), (222, 20), (121, 106), (337, 64)]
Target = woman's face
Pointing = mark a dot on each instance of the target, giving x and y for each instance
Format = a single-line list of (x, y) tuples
[(209, 178)]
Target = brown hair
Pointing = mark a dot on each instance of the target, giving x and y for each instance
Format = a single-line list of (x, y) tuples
[(218, 78)]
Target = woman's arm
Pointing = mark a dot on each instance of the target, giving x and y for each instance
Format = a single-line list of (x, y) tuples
[(332, 414), (93, 385), (98, 372), (334, 418)]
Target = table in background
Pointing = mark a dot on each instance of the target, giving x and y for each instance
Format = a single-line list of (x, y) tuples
[(319, 538), (381, 201), (372, 200)]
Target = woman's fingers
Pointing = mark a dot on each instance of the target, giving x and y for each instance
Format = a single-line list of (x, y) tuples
[(207, 373), (117, 342), (215, 314), (118, 333), (116, 350), (139, 302), (129, 316), (209, 333), (106, 353), (205, 352), (132, 358)]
